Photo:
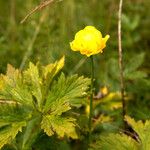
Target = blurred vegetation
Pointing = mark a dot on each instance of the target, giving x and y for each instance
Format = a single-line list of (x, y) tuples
[(46, 35)]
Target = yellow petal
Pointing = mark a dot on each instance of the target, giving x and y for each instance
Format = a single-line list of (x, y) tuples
[(104, 40)]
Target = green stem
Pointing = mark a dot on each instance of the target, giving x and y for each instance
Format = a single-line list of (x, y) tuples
[(91, 97)]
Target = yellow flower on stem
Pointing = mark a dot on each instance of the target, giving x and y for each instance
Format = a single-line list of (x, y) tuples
[(89, 41)]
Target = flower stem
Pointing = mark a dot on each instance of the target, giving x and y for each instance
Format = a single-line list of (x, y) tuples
[(91, 97)]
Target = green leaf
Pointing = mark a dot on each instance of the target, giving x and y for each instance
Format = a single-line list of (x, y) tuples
[(124, 142), (13, 117), (143, 130), (130, 24), (51, 70), (14, 89), (48, 73), (33, 80), (31, 94), (60, 98), (13, 112), (61, 125), (65, 92), (134, 63), (29, 87), (116, 142), (9, 132)]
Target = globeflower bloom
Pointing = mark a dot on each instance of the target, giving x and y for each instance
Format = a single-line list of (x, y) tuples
[(89, 41)]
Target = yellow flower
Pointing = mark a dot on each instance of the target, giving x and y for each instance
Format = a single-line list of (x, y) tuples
[(89, 41)]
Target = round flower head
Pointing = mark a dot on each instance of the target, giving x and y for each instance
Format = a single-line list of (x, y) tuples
[(89, 41)]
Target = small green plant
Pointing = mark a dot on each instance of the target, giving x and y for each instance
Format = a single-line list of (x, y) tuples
[(35, 100)]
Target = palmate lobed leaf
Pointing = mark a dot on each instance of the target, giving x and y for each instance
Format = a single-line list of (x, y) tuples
[(32, 93), (30, 86), (21, 96), (61, 97)]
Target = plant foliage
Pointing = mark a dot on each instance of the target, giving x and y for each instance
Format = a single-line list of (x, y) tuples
[(34, 98), (132, 141)]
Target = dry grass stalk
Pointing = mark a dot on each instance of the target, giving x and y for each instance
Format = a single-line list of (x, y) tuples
[(37, 8), (121, 59)]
